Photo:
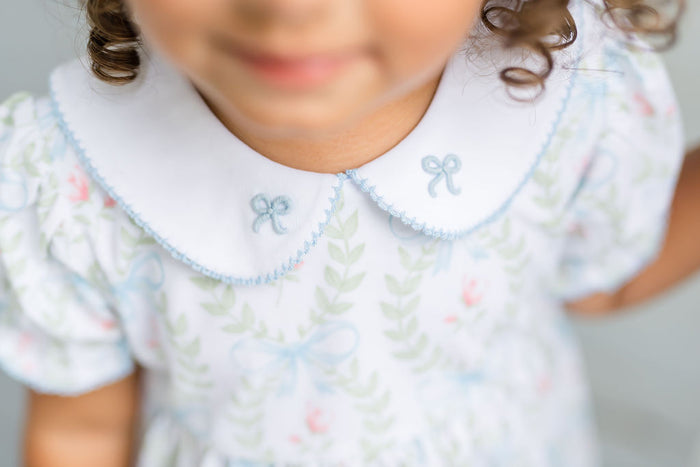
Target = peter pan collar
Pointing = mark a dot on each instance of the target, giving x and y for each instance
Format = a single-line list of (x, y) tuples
[(234, 215)]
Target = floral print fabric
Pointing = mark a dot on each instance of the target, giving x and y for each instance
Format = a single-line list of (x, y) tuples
[(385, 346)]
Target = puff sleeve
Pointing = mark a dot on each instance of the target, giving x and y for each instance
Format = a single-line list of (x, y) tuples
[(58, 332), (618, 218)]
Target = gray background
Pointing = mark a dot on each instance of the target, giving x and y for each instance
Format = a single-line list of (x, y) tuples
[(644, 364)]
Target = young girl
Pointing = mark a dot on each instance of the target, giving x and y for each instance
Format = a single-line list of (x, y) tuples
[(334, 233)]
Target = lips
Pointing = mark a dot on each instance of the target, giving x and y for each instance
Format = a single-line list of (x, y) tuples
[(297, 72)]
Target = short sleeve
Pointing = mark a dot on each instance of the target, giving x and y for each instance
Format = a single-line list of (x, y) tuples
[(58, 332), (617, 220)]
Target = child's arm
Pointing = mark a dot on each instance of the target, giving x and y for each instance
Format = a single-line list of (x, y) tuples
[(679, 257), (93, 429)]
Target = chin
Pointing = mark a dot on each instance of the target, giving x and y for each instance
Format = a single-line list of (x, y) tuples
[(298, 121)]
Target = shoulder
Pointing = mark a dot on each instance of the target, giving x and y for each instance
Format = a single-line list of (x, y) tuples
[(42, 183), (27, 136)]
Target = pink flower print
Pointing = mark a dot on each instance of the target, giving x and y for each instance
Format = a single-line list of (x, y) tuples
[(317, 421), (153, 341), (671, 110), (108, 323), (80, 182), (450, 319), (577, 229), (109, 202), (471, 294), (25, 341), (644, 106), (296, 439), (584, 165), (544, 385), (29, 367), (298, 265)]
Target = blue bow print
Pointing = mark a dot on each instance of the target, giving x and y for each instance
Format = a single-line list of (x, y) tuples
[(15, 183), (448, 389), (270, 210), (140, 280), (450, 165), (329, 345)]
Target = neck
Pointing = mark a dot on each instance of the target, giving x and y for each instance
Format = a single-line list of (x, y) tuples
[(360, 143)]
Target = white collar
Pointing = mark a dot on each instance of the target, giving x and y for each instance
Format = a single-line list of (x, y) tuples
[(183, 177)]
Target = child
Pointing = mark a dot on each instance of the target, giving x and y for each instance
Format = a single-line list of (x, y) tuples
[(267, 232)]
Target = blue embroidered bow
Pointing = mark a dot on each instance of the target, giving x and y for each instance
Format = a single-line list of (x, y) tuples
[(265, 209), (450, 165), (330, 344)]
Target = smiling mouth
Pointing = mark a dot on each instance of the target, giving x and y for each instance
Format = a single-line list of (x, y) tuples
[(299, 72)]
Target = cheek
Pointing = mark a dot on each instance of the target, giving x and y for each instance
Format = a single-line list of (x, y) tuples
[(415, 34), (174, 26)]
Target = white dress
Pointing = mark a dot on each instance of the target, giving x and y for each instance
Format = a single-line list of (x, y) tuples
[(407, 312)]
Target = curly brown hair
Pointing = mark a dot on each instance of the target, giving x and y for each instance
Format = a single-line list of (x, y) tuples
[(538, 26)]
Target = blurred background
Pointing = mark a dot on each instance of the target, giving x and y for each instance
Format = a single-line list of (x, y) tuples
[(644, 364)]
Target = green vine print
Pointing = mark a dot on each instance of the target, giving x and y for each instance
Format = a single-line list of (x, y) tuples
[(134, 237), (246, 408), (246, 411), (512, 249), (11, 104), (513, 253), (343, 279), (188, 371), (222, 303), (413, 344), (551, 196), (373, 402), (290, 276)]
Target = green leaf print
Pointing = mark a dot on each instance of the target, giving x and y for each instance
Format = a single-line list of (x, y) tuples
[(216, 309), (245, 410), (193, 375), (332, 277), (336, 253), (193, 367), (13, 243), (193, 348), (543, 179), (405, 330), (513, 250), (350, 226), (228, 298), (373, 402), (351, 283), (333, 232), (205, 283), (223, 305), (355, 254), (337, 276)]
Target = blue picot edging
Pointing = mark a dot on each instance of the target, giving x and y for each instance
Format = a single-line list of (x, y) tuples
[(175, 253), (352, 174)]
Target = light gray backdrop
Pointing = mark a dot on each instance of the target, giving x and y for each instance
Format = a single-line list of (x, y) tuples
[(644, 365)]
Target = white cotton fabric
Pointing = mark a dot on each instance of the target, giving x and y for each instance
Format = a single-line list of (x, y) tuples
[(410, 314)]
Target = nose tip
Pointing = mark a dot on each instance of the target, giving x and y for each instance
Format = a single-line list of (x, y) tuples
[(293, 12)]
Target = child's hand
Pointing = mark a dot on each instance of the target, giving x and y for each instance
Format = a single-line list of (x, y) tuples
[(679, 257), (93, 429)]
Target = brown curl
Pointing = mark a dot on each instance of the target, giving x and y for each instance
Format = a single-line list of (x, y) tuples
[(113, 44), (545, 26)]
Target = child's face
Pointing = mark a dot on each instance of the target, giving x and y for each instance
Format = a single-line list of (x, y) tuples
[(305, 66)]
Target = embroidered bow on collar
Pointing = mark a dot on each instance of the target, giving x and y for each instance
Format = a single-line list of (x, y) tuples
[(449, 165), (233, 191), (267, 209)]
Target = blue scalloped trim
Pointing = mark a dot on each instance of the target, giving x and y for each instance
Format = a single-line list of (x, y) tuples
[(127, 368), (174, 252), (455, 234)]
